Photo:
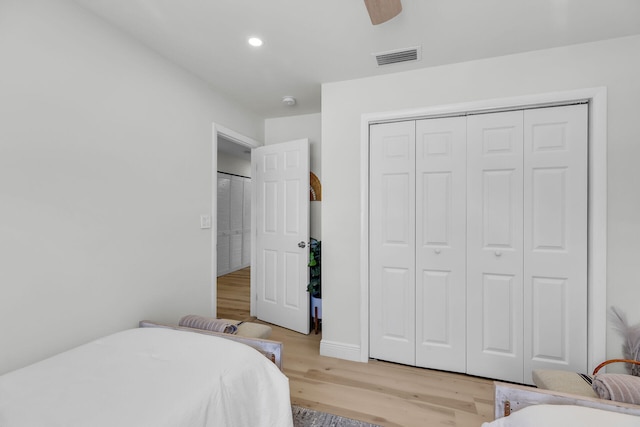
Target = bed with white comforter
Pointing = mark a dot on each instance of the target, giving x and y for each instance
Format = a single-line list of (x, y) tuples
[(148, 377), (523, 406), (565, 416)]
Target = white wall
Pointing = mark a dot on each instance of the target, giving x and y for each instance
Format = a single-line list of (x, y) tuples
[(234, 165), (309, 126), (105, 168), (613, 63)]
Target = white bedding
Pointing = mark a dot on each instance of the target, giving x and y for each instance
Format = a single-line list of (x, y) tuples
[(148, 377), (564, 416)]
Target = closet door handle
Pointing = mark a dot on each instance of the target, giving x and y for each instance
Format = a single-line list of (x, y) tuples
[(498, 253), (437, 251)]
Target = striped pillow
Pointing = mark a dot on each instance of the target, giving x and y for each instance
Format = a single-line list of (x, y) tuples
[(208, 324), (618, 387)]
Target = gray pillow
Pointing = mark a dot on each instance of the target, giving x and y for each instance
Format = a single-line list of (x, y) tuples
[(208, 324), (618, 387)]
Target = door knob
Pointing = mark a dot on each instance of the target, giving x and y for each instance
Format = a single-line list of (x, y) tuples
[(302, 245), (498, 253), (437, 251)]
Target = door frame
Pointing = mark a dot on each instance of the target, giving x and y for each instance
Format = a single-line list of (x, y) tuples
[(597, 207), (250, 143)]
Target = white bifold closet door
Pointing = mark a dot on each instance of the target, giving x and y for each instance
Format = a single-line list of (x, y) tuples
[(495, 246), (392, 240), (234, 223), (555, 238), (246, 222), (418, 241), (223, 241), (527, 242), (478, 242), (441, 243)]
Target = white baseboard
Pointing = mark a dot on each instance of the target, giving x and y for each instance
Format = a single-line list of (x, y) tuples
[(340, 351)]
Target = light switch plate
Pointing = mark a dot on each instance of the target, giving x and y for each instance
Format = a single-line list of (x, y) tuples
[(205, 221)]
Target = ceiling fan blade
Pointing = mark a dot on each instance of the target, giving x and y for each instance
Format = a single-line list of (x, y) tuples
[(382, 10)]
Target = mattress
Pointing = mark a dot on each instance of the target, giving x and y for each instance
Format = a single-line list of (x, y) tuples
[(148, 377)]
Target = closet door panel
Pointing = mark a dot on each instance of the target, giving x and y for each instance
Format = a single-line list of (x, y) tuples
[(440, 243), (223, 255), (499, 301), (392, 242), (224, 202), (236, 222), (495, 245), (224, 225), (397, 294), (236, 200), (246, 223), (555, 271), (235, 251)]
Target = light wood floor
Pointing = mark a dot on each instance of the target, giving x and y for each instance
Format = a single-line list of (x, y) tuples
[(233, 295), (377, 392)]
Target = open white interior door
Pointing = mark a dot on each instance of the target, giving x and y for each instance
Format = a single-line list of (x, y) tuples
[(281, 185)]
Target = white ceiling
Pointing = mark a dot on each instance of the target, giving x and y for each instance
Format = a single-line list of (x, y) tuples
[(310, 42)]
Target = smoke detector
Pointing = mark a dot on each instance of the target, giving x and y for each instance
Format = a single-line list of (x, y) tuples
[(288, 100)]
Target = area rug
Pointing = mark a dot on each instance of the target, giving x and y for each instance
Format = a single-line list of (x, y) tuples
[(304, 417)]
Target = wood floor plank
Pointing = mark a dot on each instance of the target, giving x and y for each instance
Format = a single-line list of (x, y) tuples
[(233, 295), (377, 392)]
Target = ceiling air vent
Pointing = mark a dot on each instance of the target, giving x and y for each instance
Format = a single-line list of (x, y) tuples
[(396, 56)]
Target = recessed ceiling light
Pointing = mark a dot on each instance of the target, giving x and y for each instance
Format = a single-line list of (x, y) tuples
[(289, 100), (256, 42)]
